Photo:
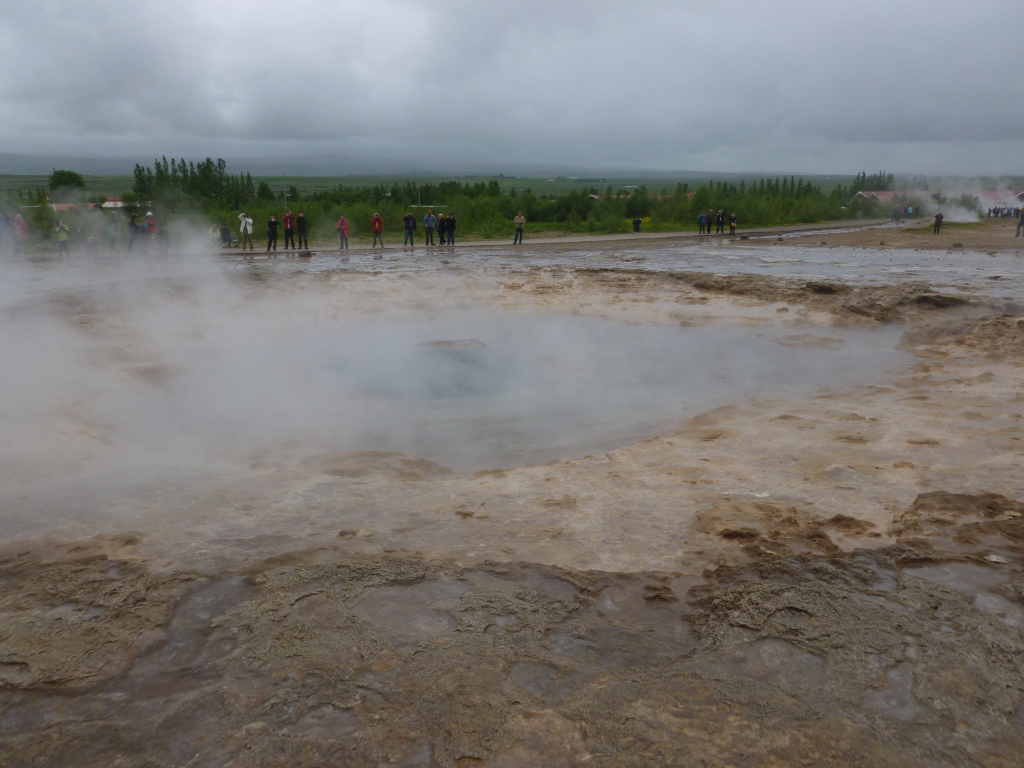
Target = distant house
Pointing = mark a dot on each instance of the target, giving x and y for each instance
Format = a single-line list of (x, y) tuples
[(114, 201), (883, 196)]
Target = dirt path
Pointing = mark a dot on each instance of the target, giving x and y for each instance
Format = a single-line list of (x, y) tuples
[(559, 238), (988, 235)]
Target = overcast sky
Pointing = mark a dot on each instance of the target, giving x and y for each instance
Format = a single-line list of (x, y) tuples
[(812, 86)]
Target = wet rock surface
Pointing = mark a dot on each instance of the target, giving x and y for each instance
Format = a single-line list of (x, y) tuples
[(902, 656), (832, 579)]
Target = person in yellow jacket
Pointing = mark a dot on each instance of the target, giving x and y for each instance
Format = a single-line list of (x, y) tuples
[(63, 232)]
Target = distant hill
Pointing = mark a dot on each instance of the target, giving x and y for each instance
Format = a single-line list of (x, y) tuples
[(342, 165), (31, 165)]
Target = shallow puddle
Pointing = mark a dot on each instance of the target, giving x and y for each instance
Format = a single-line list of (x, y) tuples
[(420, 610)]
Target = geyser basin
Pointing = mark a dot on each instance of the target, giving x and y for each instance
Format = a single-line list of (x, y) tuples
[(470, 391)]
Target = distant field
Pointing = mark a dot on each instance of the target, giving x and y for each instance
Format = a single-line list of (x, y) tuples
[(94, 185), (112, 185)]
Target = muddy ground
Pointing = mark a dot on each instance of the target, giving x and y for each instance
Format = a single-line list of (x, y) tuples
[(988, 235), (833, 580)]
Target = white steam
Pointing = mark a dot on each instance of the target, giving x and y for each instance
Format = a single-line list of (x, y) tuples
[(128, 378)]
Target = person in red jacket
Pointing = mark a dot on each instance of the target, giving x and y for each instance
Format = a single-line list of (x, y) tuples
[(343, 233), (289, 228), (377, 227)]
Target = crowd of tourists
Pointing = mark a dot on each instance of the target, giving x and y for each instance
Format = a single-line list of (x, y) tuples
[(145, 233), (295, 229), (441, 226), (709, 219)]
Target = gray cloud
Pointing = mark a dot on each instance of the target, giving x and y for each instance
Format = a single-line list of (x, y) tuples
[(795, 85)]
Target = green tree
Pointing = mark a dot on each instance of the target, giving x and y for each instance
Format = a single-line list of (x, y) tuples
[(66, 179), (264, 192), (65, 184)]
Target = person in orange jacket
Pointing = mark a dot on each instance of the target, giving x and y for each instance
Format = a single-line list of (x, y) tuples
[(377, 227)]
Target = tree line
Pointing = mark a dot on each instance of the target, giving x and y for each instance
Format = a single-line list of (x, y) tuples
[(206, 183), (485, 208), (207, 190)]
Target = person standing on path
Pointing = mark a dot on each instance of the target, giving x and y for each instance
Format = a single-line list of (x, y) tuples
[(449, 228), (245, 229), (429, 222), (112, 231), (62, 232), (441, 227), (720, 223), (636, 225), (732, 223), (343, 233), (938, 223), (302, 230), (377, 227), (20, 234), (702, 221), (133, 230), (1020, 221), (410, 230), (289, 229), (164, 238), (272, 226), (6, 233), (520, 222), (151, 227)]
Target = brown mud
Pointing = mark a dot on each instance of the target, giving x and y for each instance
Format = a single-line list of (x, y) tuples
[(835, 580), (904, 655)]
